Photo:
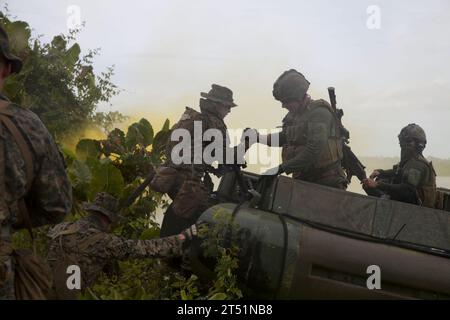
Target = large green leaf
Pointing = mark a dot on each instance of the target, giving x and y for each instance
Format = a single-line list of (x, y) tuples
[(19, 34), (59, 43), (105, 177), (218, 296), (159, 143), (88, 148), (80, 177), (80, 173), (166, 126), (146, 131), (139, 133), (133, 136), (72, 55)]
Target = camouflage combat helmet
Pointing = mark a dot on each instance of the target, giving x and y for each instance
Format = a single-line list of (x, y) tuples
[(413, 133), (16, 63), (105, 204), (291, 85), (220, 94)]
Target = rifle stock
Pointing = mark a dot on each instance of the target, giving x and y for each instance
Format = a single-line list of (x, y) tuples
[(352, 165), (350, 161)]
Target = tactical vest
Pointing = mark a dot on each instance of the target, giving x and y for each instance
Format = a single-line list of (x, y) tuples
[(427, 191), (295, 128)]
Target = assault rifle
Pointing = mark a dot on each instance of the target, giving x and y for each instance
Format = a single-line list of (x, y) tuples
[(138, 191), (350, 161)]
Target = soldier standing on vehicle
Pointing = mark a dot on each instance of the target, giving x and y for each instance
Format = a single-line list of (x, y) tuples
[(310, 138), (188, 184), (413, 180), (34, 188), (89, 244)]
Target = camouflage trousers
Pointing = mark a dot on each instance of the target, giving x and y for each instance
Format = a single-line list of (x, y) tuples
[(6, 266)]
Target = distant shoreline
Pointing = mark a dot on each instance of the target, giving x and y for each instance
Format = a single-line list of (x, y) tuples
[(442, 166)]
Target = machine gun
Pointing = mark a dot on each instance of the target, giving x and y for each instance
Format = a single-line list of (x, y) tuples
[(350, 161)]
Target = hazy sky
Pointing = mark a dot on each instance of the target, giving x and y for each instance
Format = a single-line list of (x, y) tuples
[(166, 52)]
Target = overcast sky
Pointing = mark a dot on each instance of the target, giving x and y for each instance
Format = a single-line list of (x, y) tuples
[(166, 52)]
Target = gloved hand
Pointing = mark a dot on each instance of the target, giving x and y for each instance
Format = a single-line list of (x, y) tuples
[(193, 231), (369, 183), (274, 171), (375, 174)]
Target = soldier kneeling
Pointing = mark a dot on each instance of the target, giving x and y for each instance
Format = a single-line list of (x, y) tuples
[(88, 244)]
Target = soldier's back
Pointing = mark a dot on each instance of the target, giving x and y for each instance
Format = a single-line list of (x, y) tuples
[(79, 244), (50, 187), (35, 189)]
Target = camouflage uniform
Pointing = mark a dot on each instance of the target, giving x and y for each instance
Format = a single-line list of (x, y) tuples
[(311, 138), (37, 187), (413, 180), (189, 185), (88, 244)]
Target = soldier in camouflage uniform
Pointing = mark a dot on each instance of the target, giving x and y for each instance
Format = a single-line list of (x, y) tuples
[(413, 180), (88, 244), (311, 137), (34, 187), (188, 184)]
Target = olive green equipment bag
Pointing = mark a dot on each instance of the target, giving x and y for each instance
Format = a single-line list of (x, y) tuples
[(191, 199), (32, 276)]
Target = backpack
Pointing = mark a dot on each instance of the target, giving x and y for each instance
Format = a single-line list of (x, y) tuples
[(32, 278)]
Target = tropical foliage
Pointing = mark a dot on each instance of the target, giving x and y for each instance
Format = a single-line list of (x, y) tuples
[(59, 84)]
